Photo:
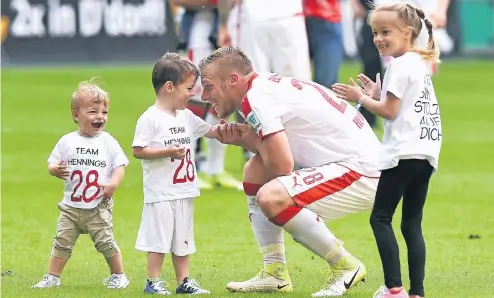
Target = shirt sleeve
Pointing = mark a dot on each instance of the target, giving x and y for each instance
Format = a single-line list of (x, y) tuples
[(199, 126), (56, 155), (399, 77), (262, 113), (143, 133), (118, 157)]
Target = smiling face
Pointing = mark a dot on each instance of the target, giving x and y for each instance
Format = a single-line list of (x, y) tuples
[(91, 116), (390, 36), (180, 94), (219, 92)]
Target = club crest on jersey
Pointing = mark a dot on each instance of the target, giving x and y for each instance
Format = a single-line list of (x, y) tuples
[(254, 122)]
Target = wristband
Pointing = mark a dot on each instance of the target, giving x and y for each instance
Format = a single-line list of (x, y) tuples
[(360, 102)]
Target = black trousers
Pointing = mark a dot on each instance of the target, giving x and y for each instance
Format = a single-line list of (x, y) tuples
[(410, 180), (372, 62)]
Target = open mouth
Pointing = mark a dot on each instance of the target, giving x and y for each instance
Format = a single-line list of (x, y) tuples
[(382, 47), (97, 124)]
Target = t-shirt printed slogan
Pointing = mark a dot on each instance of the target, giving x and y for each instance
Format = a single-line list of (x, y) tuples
[(180, 140), (430, 122)]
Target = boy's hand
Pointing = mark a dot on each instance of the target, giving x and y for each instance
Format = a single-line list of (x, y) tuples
[(176, 151), (108, 190), (59, 170)]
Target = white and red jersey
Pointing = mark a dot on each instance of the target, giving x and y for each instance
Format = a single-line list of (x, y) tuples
[(258, 10), (320, 127), (89, 160), (167, 178)]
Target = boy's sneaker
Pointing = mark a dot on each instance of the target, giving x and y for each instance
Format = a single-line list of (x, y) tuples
[(384, 292), (191, 287), (117, 281), (156, 287), (48, 281)]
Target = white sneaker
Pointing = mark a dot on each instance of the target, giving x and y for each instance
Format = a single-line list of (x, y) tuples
[(156, 287), (117, 281), (48, 281), (345, 274)]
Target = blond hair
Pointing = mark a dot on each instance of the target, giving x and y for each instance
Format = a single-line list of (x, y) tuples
[(412, 17), (228, 58), (88, 91)]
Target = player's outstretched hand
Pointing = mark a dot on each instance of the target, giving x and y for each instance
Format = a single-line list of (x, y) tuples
[(350, 92), (228, 133), (59, 170), (369, 87), (108, 190), (176, 151)]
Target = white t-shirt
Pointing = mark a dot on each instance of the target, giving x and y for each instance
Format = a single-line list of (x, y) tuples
[(167, 178), (416, 131), (320, 127), (258, 10), (89, 160)]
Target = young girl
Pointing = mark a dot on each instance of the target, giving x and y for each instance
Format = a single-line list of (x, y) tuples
[(411, 142)]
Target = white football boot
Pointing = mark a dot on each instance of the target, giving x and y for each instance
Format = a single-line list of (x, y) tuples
[(273, 278), (345, 274)]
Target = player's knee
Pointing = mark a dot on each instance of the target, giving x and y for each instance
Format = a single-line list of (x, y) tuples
[(253, 171), (272, 196)]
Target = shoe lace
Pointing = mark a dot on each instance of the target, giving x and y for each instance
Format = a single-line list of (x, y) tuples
[(192, 284)]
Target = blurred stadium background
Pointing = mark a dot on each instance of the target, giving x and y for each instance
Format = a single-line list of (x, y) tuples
[(48, 46)]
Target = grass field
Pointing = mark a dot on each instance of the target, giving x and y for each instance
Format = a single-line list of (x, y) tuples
[(35, 113)]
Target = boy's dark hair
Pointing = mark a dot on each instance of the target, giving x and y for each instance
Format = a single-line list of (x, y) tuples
[(172, 67)]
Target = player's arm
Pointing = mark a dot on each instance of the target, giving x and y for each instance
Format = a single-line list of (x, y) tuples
[(275, 152), (264, 115)]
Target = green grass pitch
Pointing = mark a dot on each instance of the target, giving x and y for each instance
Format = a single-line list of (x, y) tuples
[(36, 112)]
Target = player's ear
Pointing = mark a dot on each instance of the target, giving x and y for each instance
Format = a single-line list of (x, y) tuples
[(168, 86), (234, 78)]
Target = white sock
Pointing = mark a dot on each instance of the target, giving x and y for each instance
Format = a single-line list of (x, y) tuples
[(268, 235), (308, 229), (215, 155)]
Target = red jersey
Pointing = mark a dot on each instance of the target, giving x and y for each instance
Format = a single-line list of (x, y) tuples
[(329, 10)]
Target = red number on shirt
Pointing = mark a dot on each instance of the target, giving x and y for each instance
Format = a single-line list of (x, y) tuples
[(189, 169), (341, 107), (91, 181)]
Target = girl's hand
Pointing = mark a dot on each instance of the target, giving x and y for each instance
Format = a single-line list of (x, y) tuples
[(350, 92)]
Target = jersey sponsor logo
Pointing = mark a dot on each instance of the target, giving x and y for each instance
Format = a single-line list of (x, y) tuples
[(254, 122)]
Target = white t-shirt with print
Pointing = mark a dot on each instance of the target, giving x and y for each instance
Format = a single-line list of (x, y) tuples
[(167, 178), (416, 132), (89, 160)]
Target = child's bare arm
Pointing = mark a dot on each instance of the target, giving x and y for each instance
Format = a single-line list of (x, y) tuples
[(58, 170), (173, 150), (213, 132), (115, 180)]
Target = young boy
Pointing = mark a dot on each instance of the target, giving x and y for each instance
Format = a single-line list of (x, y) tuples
[(92, 165), (163, 139)]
